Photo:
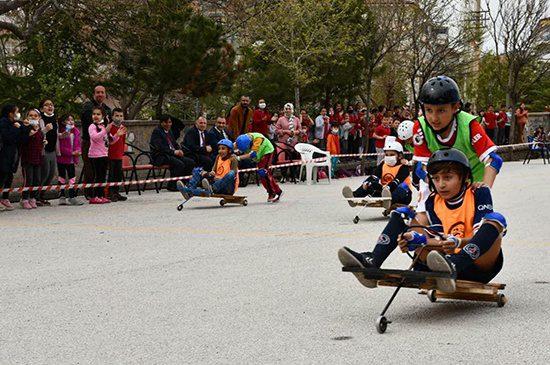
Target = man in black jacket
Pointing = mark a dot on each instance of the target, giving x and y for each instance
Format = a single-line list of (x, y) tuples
[(197, 141), (166, 151), (217, 133), (10, 136)]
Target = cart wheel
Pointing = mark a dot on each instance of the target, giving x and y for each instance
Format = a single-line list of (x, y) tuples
[(356, 219), (180, 207), (222, 202), (382, 324), (501, 300), (432, 296), (245, 203), (385, 213)]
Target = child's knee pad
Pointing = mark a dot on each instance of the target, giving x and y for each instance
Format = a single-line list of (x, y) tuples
[(197, 169), (496, 218)]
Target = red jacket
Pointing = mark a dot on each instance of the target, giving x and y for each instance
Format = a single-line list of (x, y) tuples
[(502, 119), (490, 120), (260, 122), (116, 148), (32, 149), (382, 132)]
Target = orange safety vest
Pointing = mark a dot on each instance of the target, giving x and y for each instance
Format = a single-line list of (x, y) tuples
[(390, 172), (458, 222), (222, 168)]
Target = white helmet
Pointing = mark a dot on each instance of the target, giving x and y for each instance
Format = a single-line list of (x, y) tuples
[(405, 130), (391, 144)]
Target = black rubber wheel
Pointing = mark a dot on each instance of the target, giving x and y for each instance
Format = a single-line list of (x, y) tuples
[(432, 296), (385, 213), (245, 203), (180, 207), (381, 324), (222, 202), (501, 300), (356, 220)]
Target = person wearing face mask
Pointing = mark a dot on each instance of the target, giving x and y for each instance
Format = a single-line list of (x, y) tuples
[(239, 117), (287, 128), (260, 119), (32, 154), (10, 137), (48, 125), (391, 178), (68, 155)]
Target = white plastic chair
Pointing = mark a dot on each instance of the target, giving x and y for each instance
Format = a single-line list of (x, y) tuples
[(306, 153)]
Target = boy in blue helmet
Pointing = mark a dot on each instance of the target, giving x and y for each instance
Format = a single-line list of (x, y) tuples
[(257, 147), (472, 232), (224, 175)]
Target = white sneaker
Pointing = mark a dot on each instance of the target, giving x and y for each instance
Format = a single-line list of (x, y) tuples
[(386, 193), (62, 201), (348, 194), (438, 263)]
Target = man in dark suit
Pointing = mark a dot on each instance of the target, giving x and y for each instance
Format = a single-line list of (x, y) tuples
[(217, 133), (166, 151), (196, 140)]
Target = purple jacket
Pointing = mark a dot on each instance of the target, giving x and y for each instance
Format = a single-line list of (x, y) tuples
[(66, 146)]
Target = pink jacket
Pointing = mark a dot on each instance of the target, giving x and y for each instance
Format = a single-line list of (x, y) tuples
[(99, 141), (283, 126), (66, 146)]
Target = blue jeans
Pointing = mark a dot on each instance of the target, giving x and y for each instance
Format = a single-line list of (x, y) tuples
[(225, 185)]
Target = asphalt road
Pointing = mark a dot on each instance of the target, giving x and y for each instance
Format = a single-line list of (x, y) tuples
[(139, 282)]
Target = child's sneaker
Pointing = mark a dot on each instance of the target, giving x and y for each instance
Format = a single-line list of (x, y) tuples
[(348, 194), (386, 193), (43, 202), (6, 204), (270, 198), (95, 201), (206, 186), (438, 263), (25, 204), (276, 197), (62, 201), (75, 201), (104, 201), (181, 188), (121, 198), (350, 258), (2, 208), (32, 202)]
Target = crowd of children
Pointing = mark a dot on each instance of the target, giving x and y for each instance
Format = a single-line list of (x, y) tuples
[(44, 143)]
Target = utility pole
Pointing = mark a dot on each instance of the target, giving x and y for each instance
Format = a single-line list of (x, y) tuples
[(474, 18)]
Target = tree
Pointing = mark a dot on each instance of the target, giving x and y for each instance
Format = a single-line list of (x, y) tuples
[(170, 48), (294, 34), (516, 32)]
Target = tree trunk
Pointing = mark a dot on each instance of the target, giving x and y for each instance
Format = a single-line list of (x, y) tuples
[(158, 106), (297, 98), (511, 101)]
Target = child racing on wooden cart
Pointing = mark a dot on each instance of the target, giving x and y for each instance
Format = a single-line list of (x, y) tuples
[(456, 237), (222, 182)]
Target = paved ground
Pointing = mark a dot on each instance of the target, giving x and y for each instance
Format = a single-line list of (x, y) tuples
[(139, 282)]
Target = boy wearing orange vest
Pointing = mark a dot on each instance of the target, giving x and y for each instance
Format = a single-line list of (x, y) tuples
[(391, 178), (472, 232), (224, 175)]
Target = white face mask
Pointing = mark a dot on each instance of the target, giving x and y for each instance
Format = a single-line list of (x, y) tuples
[(390, 160), (334, 130), (17, 116), (33, 122), (262, 105)]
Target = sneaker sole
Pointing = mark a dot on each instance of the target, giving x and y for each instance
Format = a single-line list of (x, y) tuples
[(348, 194), (437, 263), (348, 260), (387, 203)]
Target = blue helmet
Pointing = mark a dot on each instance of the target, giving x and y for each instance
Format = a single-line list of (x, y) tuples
[(227, 143), (243, 142)]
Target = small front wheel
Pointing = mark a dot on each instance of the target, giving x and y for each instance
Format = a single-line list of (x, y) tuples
[(501, 300), (432, 296), (356, 220), (245, 203), (382, 324), (222, 202), (180, 207)]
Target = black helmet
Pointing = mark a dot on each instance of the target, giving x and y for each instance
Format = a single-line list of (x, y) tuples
[(439, 90), (448, 154)]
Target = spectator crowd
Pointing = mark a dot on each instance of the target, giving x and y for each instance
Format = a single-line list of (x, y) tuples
[(48, 145)]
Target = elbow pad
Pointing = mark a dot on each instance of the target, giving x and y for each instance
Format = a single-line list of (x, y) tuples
[(496, 161), (498, 219)]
